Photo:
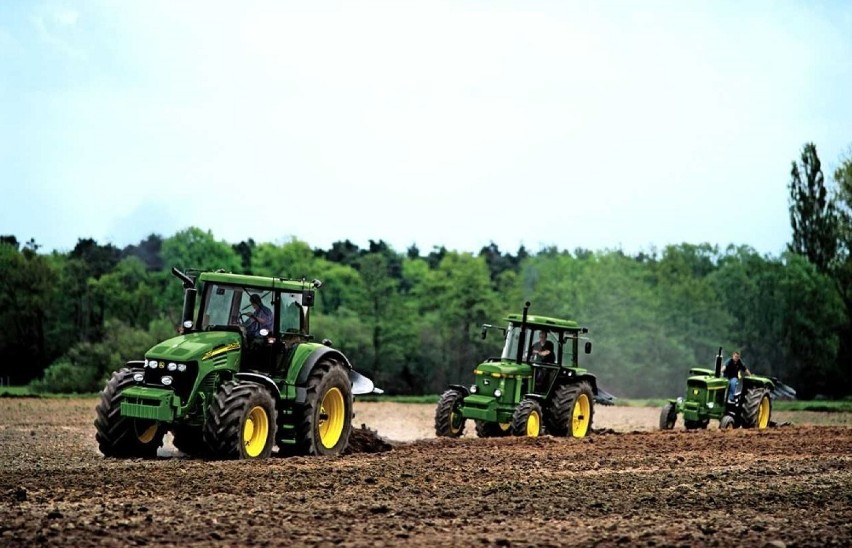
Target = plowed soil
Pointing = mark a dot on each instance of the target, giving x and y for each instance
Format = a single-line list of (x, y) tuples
[(626, 484)]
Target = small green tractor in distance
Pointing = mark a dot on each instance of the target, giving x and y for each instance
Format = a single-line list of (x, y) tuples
[(522, 393), (228, 388), (707, 398)]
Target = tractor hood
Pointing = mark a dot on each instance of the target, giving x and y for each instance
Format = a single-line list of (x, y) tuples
[(195, 346), (499, 369)]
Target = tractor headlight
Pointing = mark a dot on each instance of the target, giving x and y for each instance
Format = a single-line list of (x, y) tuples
[(181, 367), (152, 364), (679, 399), (710, 404), (498, 393), (172, 366), (474, 389), (138, 377), (167, 380)]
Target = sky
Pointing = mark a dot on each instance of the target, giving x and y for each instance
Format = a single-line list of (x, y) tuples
[(598, 125)]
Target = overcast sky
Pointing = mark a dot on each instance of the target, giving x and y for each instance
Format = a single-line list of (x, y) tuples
[(595, 124)]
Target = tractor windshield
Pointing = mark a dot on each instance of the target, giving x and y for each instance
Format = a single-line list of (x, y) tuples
[(250, 307), (532, 344)]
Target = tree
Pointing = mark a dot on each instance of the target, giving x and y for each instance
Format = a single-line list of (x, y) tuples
[(193, 248), (813, 215)]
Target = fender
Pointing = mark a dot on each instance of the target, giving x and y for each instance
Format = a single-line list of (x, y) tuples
[(463, 389), (262, 380)]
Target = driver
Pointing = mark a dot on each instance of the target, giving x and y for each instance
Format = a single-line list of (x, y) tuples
[(261, 318), (543, 349)]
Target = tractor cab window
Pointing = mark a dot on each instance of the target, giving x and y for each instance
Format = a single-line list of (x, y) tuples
[(291, 313), (532, 342), (221, 305)]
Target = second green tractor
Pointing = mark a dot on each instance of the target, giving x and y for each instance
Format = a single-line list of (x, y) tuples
[(526, 392)]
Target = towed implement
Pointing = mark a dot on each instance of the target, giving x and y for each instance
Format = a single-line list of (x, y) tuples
[(243, 376)]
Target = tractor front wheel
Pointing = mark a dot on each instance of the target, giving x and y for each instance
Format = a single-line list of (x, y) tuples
[(486, 429), (757, 408), (526, 420), (571, 410), (325, 419), (190, 441), (727, 423), (668, 416), (122, 436), (241, 422), (449, 421)]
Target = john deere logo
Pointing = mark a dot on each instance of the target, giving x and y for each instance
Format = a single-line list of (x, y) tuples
[(694, 392), (162, 365)]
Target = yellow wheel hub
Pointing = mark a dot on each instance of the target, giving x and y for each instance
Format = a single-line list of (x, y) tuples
[(255, 431), (533, 424), (580, 417), (332, 418), (763, 413), (147, 434), (504, 426)]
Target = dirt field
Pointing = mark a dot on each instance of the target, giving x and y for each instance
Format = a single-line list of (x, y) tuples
[(625, 485)]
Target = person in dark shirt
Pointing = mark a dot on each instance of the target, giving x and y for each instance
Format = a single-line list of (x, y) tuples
[(733, 367), (543, 350)]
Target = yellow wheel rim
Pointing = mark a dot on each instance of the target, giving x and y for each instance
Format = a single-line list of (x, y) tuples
[(255, 431), (580, 416), (147, 435), (533, 424), (763, 413), (332, 418)]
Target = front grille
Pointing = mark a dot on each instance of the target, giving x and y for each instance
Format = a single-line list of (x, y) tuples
[(182, 380)]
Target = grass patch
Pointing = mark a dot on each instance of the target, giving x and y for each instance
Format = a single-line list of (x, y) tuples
[(431, 399)]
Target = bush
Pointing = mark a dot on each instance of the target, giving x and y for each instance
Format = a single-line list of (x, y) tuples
[(65, 377)]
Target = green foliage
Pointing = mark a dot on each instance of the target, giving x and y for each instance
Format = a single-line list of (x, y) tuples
[(813, 215), (193, 248)]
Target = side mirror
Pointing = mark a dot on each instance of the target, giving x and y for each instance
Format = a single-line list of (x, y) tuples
[(588, 347), (307, 298), (485, 327), (327, 342)]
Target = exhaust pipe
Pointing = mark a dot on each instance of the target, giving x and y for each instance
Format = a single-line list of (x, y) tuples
[(522, 338), (719, 363), (189, 294)]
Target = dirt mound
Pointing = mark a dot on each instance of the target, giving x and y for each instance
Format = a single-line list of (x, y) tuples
[(366, 440)]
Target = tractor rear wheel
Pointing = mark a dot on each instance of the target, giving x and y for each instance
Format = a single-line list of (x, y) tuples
[(449, 421), (526, 420), (119, 436), (668, 416), (486, 429), (241, 422), (570, 410), (757, 408), (727, 423), (324, 421)]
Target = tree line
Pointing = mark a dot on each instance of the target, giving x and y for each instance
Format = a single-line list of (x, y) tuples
[(411, 320)]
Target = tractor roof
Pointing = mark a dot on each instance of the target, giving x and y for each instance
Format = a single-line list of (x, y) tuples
[(255, 281), (544, 321)]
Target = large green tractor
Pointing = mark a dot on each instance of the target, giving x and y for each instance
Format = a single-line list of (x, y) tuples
[(243, 376), (707, 398), (535, 386)]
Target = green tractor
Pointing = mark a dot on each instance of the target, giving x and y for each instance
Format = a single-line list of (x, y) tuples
[(243, 376), (536, 385), (707, 398)]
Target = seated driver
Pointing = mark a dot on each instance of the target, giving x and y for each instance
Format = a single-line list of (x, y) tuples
[(543, 350), (260, 318)]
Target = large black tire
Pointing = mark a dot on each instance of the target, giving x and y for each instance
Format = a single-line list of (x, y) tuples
[(324, 421), (668, 416), (449, 422), (190, 441), (119, 436), (527, 419), (570, 410), (240, 422), (756, 408), (486, 429)]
